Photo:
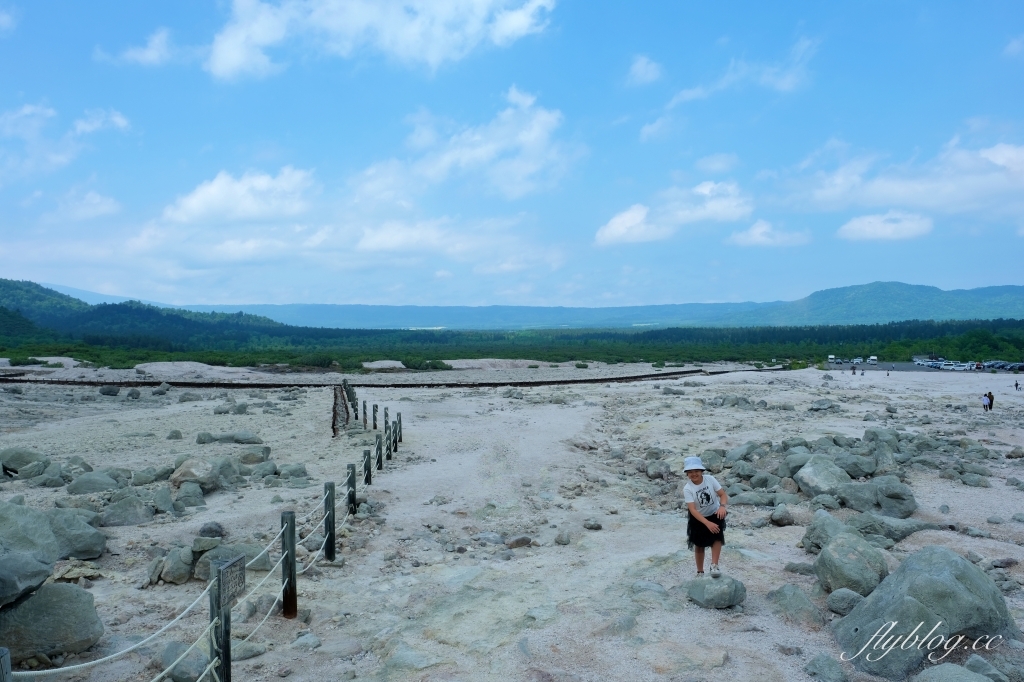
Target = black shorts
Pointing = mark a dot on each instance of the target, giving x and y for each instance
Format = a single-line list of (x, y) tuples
[(698, 535)]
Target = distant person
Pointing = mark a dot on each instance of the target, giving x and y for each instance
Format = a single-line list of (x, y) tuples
[(991, 401), (1016, 385), (853, 370), (705, 500), (894, 366), (984, 402), (862, 372)]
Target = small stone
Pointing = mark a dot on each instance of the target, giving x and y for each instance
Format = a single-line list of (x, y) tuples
[(109, 390), (787, 650), (842, 601), (522, 541), (974, 557), (781, 516), (591, 524), (944, 509), (563, 538), (824, 668), (212, 529), (995, 519), (284, 671), (175, 434)]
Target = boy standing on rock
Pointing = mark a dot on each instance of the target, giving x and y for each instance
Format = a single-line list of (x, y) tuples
[(705, 499)]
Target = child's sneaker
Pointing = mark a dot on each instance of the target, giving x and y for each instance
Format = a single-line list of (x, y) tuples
[(700, 574), (715, 571)]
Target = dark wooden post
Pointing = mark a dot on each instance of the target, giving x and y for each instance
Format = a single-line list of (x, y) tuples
[(387, 440), (367, 468), (350, 483), (399, 416), (386, 420), (329, 521), (379, 445), (290, 600), (364, 415), (375, 417), (394, 436), (222, 631)]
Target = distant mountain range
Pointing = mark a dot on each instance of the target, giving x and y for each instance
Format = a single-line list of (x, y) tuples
[(875, 303)]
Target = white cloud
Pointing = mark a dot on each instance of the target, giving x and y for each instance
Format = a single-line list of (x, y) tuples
[(77, 206), (707, 202), (99, 119), (253, 196), (7, 22), (643, 71), (784, 76), (892, 225), (155, 52), (515, 153), (761, 233), (655, 128), (631, 226), (1014, 47), (717, 163), (429, 32), (25, 149), (987, 181)]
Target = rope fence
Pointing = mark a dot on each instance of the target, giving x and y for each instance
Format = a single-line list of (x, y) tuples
[(228, 581)]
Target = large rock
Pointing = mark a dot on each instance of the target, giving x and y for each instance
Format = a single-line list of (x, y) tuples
[(849, 561), (933, 585), (820, 476), (92, 482), (790, 602), (716, 593), (190, 667), (177, 567), (75, 537), (211, 474), (824, 668), (59, 618), (254, 454), (228, 552), (861, 497), (894, 497), (17, 458), (886, 526), (855, 465), (842, 601), (823, 528), (741, 453), (131, 511), (109, 390), (190, 494), (28, 551), (948, 672)]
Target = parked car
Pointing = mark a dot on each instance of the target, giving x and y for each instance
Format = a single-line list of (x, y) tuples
[(873, 360), (858, 361), (948, 365)]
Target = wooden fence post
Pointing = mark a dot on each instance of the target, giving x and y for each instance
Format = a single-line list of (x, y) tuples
[(329, 521), (290, 600)]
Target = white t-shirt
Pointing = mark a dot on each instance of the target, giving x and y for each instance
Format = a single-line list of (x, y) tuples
[(704, 496)]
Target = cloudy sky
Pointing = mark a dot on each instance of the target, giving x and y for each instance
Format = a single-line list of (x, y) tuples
[(535, 152)]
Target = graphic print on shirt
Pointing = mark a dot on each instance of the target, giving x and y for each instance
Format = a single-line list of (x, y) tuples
[(703, 498)]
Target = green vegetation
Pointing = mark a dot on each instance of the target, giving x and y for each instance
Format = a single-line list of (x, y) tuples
[(581, 365), (36, 322)]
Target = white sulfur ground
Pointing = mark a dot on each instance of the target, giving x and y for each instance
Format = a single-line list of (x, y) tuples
[(474, 461)]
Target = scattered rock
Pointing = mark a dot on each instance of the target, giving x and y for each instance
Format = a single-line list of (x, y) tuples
[(75, 537), (28, 551), (134, 394), (190, 668), (591, 524), (177, 566), (190, 494), (790, 602), (781, 516), (932, 585), (175, 434), (522, 541), (819, 476), (563, 538), (824, 668), (949, 672), (977, 664), (306, 642), (109, 390), (243, 651), (189, 397), (92, 482), (842, 601), (850, 561), (212, 529), (131, 511), (59, 618), (716, 593)]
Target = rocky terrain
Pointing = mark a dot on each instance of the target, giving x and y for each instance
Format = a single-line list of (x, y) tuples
[(524, 533)]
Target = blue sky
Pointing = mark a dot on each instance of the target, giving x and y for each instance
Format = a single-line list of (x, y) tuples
[(534, 152)]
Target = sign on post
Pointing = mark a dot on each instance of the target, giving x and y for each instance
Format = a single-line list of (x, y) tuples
[(232, 581)]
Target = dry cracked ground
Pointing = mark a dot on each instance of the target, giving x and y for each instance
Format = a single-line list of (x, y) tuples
[(471, 559)]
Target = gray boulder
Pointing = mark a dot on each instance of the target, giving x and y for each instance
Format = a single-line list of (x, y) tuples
[(823, 528), (134, 394), (977, 664), (741, 453), (859, 496), (59, 618), (855, 465), (189, 397), (886, 526), (790, 602), (109, 390), (933, 585), (18, 458), (849, 561), (162, 501), (254, 454), (177, 567), (228, 552), (263, 470), (174, 434), (894, 497), (824, 668), (75, 537), (190, 494), (820, 476), (92, 482), (949, 672), (781, 516), (130, 511), (28, 551), (843, 600), (189, 669), (716, 593)]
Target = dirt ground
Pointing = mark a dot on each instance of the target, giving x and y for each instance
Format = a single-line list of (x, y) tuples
[(418, 594)]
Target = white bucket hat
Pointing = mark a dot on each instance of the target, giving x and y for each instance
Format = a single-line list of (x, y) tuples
[(693, 463)]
